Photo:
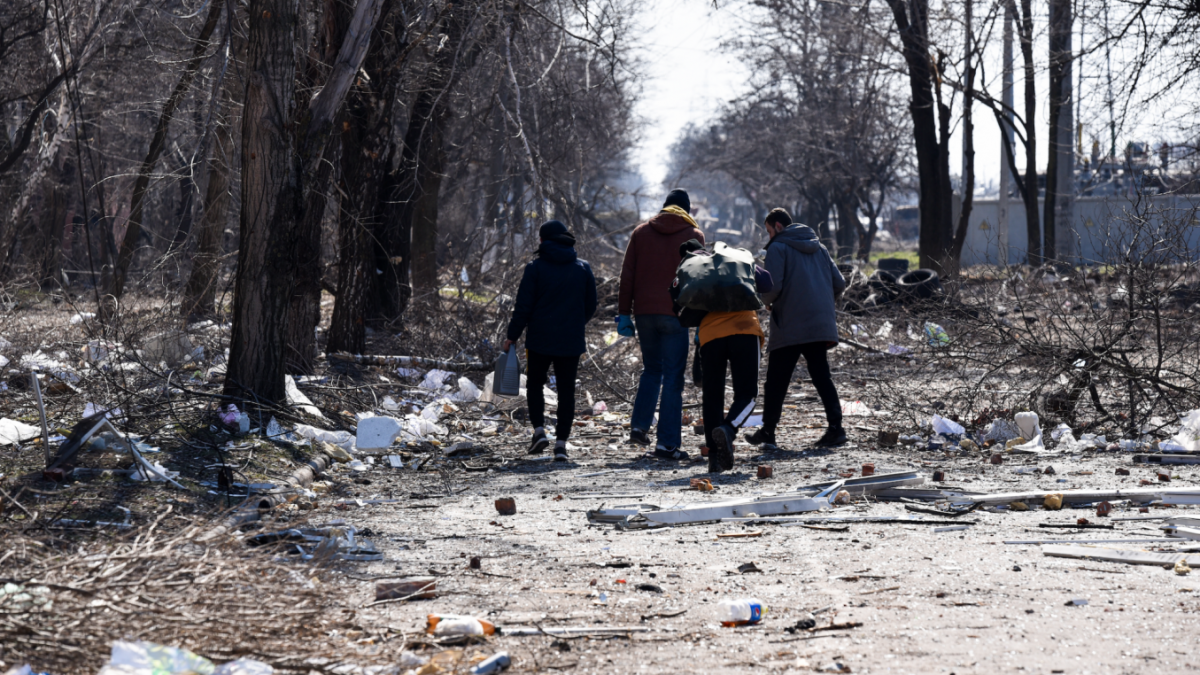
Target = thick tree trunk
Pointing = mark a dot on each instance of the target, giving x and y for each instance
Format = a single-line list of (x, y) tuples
[(116, 286), (271, 202), (932, 160), (304, 313), (280, 153)]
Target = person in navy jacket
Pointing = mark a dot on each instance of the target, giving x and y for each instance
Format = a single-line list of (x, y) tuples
[(556, 299)]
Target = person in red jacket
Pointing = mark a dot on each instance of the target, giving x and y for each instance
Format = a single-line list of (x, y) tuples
[(645, 309)]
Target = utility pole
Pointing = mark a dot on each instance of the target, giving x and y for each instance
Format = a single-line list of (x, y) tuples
[(1007, 137)]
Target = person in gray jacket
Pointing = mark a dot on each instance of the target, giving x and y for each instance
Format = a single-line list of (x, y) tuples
[(803, 323)]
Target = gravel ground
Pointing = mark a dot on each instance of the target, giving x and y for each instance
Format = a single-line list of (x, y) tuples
[(929, 602)]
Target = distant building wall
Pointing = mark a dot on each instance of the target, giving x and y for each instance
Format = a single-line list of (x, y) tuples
[(1101, 228)]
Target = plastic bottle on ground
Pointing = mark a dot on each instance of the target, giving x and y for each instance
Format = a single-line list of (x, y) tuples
[(741, 611)]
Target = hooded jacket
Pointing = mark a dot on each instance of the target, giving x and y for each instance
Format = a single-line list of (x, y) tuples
[(556, 299), (651, 260), (806, 282)]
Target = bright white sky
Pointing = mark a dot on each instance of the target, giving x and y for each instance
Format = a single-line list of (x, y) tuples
[(688, 76)]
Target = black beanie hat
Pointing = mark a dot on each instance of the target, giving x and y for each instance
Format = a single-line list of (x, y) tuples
[(554, 230), (678, 197)]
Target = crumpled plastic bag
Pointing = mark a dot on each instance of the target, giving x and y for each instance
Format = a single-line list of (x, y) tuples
[(1027, 423), (148, 658), (1188, 437), (342, 439), (1001, 431), (942, 425), (467, 391), (856, 409), (935, 335), (435, 379), (418, 428)]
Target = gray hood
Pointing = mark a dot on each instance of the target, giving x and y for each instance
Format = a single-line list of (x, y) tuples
[(800, 237)]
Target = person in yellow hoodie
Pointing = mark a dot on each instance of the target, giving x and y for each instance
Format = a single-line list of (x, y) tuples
[(733, 341)]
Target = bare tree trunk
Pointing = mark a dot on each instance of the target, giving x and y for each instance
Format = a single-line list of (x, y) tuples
[(365, 184), (304, 315), (932, 163), (271, 200), (848, 226), (199, 293), (1060, 58), (116, 287), (1033, 227), (280, 154), (54, 220), (953, 263)]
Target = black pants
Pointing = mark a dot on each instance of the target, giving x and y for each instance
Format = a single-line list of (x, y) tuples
[(742, 353), (781, 365), (565, 370)]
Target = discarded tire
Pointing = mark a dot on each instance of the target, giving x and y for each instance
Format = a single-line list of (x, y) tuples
[(896, 265), (920, 284), (883, 284)]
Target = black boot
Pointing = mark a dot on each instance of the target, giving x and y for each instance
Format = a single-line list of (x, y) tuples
[(834, 436), (763, 437)]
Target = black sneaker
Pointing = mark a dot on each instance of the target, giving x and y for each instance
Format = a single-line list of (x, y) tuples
[(539, 443), (638, 437), (834, 436), (663, 452), (762, 437), (560, 453), (722, 447)]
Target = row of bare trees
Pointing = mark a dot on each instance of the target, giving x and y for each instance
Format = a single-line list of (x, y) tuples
[(356, 147), (850, 102)]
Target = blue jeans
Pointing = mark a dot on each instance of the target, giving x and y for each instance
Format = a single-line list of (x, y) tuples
[(664, 346)]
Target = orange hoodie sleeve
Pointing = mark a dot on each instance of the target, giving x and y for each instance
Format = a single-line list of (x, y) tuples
[(628, 274)]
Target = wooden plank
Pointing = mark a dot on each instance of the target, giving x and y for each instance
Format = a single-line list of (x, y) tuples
[(1117, 555)]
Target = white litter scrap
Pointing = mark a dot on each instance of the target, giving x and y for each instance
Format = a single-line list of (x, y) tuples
[(1027, 423), (160, 474), (148, 658), (435, 379), (377, 431), (342, 439), (942, 425), (1188, 437), (467, 391), (297, 399), (13, 432), (1001, 431), (856, 409)]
